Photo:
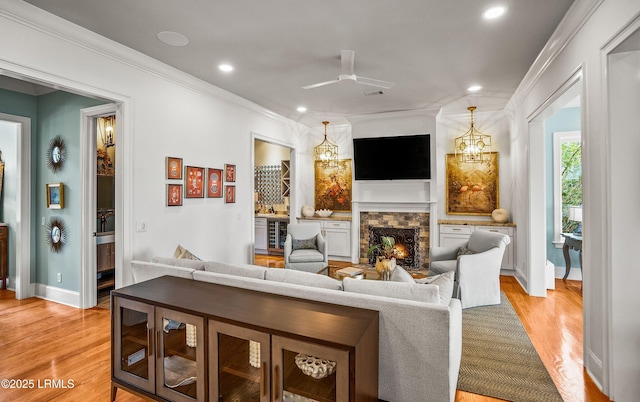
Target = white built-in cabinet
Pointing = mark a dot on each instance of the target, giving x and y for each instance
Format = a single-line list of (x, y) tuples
[(262, 242), (458, 234), (337, 233)]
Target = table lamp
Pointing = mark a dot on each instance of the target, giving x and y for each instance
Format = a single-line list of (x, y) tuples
[(575, 214)]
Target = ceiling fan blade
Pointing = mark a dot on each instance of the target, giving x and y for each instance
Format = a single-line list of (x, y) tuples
[(374, 83), (320, 84), (347, 57)]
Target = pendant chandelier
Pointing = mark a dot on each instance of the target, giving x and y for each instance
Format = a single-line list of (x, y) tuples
[(326, 152), (473, 146)]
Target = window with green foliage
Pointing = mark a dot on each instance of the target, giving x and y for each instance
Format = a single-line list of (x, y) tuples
[(571, 182)]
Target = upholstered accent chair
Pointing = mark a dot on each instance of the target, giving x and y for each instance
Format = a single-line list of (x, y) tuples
[(304, 248), (477, 266)]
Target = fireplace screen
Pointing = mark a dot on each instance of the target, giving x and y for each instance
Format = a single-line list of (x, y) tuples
[(407, 244)]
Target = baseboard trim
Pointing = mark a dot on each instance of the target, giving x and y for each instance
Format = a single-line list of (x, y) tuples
[(575, 274), (58, 295)]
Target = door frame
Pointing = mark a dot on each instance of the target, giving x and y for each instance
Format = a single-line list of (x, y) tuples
[(88, 209), (23, 286)]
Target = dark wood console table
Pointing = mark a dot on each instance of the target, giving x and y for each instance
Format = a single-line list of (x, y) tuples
[(573, 242), (176, 339)]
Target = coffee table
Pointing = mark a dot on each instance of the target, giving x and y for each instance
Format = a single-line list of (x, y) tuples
[(369, 273)]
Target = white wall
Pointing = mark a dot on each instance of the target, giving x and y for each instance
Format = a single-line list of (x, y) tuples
[(624, 90), (270, 154), (603, 273), (164, 113)]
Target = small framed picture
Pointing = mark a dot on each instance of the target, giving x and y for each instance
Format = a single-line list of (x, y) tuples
[(214, 183), (174, 168), (229, 173), (55, 195), (174, 195), (195, 182), (229, 194)]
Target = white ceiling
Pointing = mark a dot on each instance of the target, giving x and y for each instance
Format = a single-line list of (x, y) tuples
[(431, 49)]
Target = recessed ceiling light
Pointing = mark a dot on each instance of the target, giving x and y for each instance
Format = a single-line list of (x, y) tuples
[(474, 88), (494, 12), (225, 67), (172, 38), (301, 109)]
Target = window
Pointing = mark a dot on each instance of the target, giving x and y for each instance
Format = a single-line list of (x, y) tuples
[(567, 173)]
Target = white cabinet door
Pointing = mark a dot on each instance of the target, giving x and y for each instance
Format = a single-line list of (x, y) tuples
[(339, 242), (261, 235)]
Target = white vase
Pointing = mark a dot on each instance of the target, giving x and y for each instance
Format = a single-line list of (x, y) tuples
[(308, 211)]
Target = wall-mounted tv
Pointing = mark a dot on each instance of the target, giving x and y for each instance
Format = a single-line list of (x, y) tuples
[(392, 158)]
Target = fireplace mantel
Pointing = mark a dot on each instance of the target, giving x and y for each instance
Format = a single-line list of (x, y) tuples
[(392, 206)]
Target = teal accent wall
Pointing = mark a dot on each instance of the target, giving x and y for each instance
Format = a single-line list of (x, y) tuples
[(567, 119), (56, 113), (59, 114)]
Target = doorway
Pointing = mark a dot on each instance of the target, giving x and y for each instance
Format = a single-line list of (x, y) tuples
[(16, 197), (273, 196), (100, 243), (541, 202)]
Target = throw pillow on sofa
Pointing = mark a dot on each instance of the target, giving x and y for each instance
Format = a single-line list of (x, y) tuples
[(445, 283), (397, 290), (183, 253), (399, 274)]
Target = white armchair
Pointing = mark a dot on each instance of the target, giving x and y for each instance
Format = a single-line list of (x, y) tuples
[(304, 248), (477, 268)]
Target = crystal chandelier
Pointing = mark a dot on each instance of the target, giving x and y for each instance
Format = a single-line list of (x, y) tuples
[(473, 146), (326, 152)]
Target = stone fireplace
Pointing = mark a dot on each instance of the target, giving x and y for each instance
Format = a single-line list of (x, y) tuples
[(410, 229)]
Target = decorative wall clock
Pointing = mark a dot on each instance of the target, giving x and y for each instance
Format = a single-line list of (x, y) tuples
[(56, 154), (56, 235)]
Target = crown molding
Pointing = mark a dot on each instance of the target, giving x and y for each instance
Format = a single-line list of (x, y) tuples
[(575, 18), (59, 28)]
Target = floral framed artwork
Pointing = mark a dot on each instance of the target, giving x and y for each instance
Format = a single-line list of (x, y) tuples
[(174, 168), (214, 183), (333, 186), (229, 194), (55, 195), (195, 179), (174, 195), (472, 188), (229, 173)]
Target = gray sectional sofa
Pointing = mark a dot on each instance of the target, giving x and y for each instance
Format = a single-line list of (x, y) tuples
[(420, 337)]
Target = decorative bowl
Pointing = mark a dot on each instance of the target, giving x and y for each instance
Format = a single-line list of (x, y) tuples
[(315, 367), (324, 212)]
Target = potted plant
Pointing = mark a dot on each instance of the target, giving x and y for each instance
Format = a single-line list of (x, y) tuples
[(386, 262)]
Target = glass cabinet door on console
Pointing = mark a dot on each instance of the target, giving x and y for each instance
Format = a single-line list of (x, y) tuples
[(133, 351), (239, 362), (180, 367), (308, 372)]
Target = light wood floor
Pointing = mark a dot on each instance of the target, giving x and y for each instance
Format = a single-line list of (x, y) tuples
[(41, 341)]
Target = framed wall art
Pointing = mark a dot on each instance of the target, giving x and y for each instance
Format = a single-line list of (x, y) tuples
[(195, 179), (174, 195), (174, 168), (333, 186), (472, 188), (229, 194), (229, 173), (55, 195), (214, 183)]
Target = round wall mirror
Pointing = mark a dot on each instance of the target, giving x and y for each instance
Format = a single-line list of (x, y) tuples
[(56, 154), (55, 234)]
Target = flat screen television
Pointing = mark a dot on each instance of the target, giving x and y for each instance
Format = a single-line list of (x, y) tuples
[(392, 158)]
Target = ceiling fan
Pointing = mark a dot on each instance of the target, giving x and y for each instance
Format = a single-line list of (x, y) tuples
[(347, 75)]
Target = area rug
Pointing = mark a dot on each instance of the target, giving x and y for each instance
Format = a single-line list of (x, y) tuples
[(498, 358)]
